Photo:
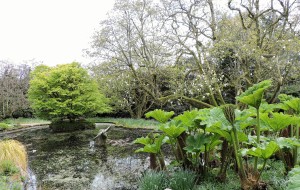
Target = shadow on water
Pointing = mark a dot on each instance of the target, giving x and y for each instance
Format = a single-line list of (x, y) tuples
[(72, 161)]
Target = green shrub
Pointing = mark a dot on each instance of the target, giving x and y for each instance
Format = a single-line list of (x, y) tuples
[(183, 180), (4, 126), (153, 181)]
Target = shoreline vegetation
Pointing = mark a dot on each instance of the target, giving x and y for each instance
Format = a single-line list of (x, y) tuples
[(23, 123)]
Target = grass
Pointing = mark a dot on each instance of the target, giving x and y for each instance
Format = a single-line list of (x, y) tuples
[(7, 167), (21, 121), (127, 122), (12, 124), (274, 176), (4, 126), (15, 152), (153, 181)]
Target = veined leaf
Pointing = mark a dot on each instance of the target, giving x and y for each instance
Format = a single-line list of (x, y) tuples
[(188, 119), (266, 108), (195, 142), (216, 117), (172, 129), (253, 96), (160, 115), (287, 142), (154, 144), (294, 104), (277, 121), (143, 140), (284, 97), (222, 133), (266, 152)]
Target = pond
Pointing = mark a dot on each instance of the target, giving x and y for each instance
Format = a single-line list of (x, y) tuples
[(72, 161)]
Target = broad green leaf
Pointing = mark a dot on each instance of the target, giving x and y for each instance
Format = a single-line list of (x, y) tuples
[(143, 140), (154, 145), (172, 129), (242, 136), (253, 96), (294, 104), (214, 141), (216, 117), (188, 119), (277, 121), (252, 140), (285, 97), (287, 142), (266, 108), (194, 143), (222, 133), (160, 115), (264, 152)]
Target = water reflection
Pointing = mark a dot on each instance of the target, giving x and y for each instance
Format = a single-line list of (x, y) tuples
[(31, 183), (72, 161)]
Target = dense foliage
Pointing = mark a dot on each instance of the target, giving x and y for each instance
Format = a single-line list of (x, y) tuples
[(249, 135), (66, 92)]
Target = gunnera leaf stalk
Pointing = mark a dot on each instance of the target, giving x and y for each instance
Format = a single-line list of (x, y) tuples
[(229, 113)]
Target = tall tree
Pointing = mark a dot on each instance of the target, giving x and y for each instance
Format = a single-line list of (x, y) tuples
[(130, 41)]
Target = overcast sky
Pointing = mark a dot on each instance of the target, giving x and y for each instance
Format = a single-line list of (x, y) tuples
[(51, 31)]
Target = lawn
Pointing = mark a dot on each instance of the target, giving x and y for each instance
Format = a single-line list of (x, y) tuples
[(126, 122)]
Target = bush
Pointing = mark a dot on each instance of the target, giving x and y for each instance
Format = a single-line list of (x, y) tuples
[(4, 126), (25, 113), (67, 126)]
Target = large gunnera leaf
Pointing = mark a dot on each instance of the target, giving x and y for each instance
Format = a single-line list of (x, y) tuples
[(253, 96)]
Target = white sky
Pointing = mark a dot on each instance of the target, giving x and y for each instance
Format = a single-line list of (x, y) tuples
[(51, 31)]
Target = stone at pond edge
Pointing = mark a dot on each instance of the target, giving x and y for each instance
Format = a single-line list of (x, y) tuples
[(66, 126)]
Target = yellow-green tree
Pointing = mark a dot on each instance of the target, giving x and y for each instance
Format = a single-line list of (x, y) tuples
[(65, 92)]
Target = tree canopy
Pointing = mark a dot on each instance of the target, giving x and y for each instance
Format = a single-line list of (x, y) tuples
[(217, 53), (65, 92)]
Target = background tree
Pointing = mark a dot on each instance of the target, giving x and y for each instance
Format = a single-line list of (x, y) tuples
[(219, 54), (131, 41), (127, 98), (14, 84), (66, 92)]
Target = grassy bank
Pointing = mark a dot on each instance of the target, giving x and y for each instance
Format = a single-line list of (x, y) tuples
[(126, 122), (11, 124)]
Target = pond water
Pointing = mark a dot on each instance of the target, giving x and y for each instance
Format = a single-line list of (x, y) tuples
[(72, 161)]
